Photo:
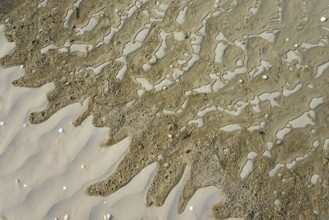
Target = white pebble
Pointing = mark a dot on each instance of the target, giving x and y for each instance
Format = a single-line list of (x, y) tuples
[(2, 123), (278, 141), (265, 77), (241, 81), (160, 157), (296, 45), (276, 202), (61, 130), (22, 66), (191, 208), (64, 188), (323, 19), (287, 39), (66, 217), (170, 136), (107, 217), (25, 125), (25, 185)]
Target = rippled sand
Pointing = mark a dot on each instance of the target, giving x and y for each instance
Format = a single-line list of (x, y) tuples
[(229, 94)]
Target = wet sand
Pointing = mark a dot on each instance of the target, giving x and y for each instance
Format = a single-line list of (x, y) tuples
[(228, 94)]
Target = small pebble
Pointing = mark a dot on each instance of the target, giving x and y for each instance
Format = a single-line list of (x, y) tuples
[(107, 217), (25, 125), (2, 123), (170, 136), (61, 130), (160, 157), (166, 165), (241, 81), (265, 77), (64, 188), (296, 45), (191, 208), (278, 141), (82, 166), (22, 66), (276, 202), (66, 217), (323, 19), (25, 185)]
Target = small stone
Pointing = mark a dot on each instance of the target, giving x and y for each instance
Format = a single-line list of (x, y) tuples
[(323, 19), (82, 166), (170, 136), (66, 217), (160, 157), (241, 81), (265, 77), (61, 130), (22, 66), (107, 217), (166, 165), (164, 88), (277, 202), (25, 125), (2, 123), (296, 45), (64, 188), (191, 208), (25, 185)]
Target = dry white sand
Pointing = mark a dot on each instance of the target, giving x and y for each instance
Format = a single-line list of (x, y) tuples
[(40, 168)]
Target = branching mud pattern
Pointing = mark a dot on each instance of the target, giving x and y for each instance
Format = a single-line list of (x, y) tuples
[(233, 91)]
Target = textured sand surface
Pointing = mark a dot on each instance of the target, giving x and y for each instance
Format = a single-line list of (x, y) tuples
[(36, 162), (43, 172), (231, 94)]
